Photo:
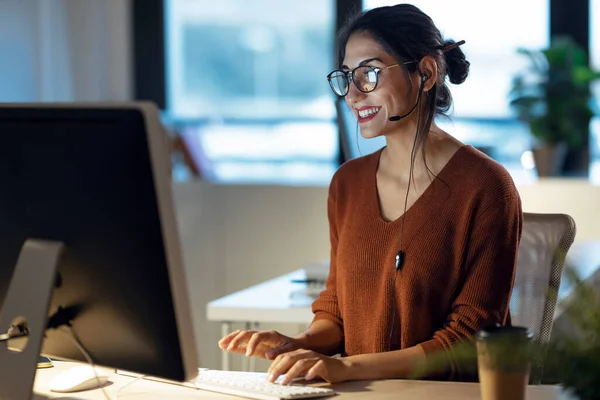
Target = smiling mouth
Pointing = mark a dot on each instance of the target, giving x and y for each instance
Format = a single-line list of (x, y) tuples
[(368, 113)]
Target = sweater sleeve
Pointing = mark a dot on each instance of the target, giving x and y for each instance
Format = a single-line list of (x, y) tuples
[(326, 305), (490, 265)]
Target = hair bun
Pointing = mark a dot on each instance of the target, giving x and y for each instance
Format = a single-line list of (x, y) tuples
[(456, 61)]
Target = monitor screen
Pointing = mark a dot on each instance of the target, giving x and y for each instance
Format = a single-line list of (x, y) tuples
[(96, 178)]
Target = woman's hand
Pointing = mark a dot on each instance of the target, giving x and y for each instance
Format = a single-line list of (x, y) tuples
[(264, 344), (308, 364)]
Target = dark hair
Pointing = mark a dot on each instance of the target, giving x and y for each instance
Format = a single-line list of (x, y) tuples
[(408, 34)]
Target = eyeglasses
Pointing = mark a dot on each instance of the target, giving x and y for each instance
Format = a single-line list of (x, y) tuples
[(365, 78)]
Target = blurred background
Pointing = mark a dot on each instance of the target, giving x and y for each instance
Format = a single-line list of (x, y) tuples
[(242, 85)]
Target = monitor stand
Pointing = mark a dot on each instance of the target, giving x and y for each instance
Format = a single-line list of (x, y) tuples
[(27, 301)]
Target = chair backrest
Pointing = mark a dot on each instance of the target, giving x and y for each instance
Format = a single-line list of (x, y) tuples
[(545, 241)]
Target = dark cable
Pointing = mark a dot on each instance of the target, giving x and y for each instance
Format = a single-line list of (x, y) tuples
[(401, 254)]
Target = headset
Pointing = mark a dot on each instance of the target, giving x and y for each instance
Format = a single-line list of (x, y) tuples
[(401, 255)]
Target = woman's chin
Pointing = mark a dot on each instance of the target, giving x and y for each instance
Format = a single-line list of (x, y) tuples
[(371, 128), (369, 133)]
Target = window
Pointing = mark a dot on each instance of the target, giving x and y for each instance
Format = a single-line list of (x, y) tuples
[(247, 79), (595, 64), (595, 43), (490, 46), (481, 113)]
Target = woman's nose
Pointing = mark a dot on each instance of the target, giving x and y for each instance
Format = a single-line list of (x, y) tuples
[(354, 95)]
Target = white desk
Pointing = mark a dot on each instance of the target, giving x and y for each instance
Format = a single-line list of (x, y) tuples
[(266, 302), (373, 390)]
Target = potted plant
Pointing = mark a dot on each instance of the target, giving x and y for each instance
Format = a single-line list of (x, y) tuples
[(572, 358), (552, 96)]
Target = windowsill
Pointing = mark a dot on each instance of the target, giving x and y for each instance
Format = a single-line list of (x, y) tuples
[(529, 177), (283, 173), (320, 173)]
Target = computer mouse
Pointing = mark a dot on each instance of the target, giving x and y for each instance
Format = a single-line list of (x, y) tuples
[(79, 378)]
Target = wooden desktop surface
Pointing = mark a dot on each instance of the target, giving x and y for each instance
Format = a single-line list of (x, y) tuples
[(375, 390)]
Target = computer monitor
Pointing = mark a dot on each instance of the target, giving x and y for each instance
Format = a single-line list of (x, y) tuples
[(353, 144), (96, 178)]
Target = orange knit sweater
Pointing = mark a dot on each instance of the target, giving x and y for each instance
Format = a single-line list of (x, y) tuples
[(460, 238)]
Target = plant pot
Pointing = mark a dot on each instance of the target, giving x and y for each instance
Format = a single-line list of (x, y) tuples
[(549, 158)]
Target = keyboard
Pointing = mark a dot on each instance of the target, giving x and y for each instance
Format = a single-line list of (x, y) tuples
[(254, 385)]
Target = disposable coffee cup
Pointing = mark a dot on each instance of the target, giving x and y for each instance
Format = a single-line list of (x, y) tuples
[(503, 361)]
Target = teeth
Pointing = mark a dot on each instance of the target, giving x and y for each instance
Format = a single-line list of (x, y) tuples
[(368, 111)]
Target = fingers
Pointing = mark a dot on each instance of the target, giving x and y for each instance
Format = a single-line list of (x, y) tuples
[(286, 364), (237, 343), (258, 338), (224, 342), (265, 344), (318, 369), (300, 368), (273, 353)]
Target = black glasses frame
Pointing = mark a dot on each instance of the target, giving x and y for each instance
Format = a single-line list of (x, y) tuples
[(350, 76)]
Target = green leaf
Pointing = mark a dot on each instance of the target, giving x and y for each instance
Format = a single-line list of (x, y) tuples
[(583, 75), (552, 95), (539, 63)]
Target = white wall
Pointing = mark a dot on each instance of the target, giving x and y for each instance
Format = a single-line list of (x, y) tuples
[(18, 46), (99, 38), (238, 236), (65, 50), (575, 197)]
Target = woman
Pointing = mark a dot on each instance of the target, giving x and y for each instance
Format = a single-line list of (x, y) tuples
[(424, 233)]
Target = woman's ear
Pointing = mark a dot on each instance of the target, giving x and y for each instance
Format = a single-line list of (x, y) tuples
[(428, 68)]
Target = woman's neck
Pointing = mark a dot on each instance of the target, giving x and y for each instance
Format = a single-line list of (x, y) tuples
[(402, 149)]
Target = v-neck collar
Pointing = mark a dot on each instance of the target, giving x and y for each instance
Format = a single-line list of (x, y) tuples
[(425, 198)]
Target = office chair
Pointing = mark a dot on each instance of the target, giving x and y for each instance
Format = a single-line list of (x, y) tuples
[(545, 241)]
